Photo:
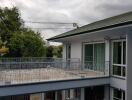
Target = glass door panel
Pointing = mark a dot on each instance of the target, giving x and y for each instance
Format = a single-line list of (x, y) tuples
[(88, 54), (99, 56)]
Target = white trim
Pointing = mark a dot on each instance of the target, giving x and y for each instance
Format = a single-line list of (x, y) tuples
[(121, 77), (120, 65), (93, 53), (118, 40), (107, 57), (96, 42)]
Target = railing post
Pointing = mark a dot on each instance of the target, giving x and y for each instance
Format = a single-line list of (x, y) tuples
[(106, 71)]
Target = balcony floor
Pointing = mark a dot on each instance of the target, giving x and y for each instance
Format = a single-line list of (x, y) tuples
[(19, 76)]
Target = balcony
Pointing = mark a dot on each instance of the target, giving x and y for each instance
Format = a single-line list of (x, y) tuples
[(31, 70)]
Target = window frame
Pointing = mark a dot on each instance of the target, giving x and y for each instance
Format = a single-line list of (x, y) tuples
[(123, 93), (122, 65), (83, 57)]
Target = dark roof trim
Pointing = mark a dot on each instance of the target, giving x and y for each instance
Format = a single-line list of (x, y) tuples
[(94, 30)]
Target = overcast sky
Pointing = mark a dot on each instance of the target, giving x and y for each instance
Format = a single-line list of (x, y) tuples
[(78, 11)]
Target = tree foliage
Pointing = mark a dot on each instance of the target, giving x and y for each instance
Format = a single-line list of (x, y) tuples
[(57, 52), (10, 22), (54, 51), (22, 42), (49, 51)]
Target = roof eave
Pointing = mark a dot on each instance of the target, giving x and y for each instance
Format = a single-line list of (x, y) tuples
[(94, 30)]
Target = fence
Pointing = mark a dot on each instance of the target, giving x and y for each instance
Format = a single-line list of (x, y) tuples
[(25, 70)]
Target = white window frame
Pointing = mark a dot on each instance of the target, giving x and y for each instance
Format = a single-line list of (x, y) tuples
[(85, 43), (121, 94), (121, 65)]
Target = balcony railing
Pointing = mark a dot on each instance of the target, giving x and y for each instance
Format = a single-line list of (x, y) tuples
[(27, 70)]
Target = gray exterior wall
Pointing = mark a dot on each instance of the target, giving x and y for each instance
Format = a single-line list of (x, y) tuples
[(118, 83), (129, 65)]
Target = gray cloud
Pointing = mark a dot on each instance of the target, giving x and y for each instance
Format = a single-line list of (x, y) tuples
[(114, 8), (79, 11)]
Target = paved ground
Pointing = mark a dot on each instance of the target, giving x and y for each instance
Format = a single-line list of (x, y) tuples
[(16, 76)]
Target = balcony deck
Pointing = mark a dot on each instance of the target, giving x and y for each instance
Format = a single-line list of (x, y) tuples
[(30, 72), (42, 74)]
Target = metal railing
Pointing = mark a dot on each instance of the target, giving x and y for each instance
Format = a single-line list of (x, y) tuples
[(25, 70)]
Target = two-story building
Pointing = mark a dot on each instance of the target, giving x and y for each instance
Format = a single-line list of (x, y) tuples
[(96, 65)]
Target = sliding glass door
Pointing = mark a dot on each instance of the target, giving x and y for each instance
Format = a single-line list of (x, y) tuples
[(94, 56)]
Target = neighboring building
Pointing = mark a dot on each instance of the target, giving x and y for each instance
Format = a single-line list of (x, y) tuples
[(96, 65)]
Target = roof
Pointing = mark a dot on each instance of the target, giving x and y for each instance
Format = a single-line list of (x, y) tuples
[(115, 21)]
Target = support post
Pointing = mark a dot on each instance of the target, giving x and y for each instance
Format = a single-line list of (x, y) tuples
[(82, 93), (63, 95), (106, 93), (107, 57), (55, 95), (42, 96), (71, 93)]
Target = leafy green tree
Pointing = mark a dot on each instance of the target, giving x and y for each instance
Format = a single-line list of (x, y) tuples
[(10, 22), (21, 41), (26, 44), (49, 51), (57, 51), (33, 45)]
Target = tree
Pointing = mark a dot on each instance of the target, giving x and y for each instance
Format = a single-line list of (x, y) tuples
[(10, 22), (26, 44), (3, 48), (21, 41), (49, 51), (33, 45), (57, 52)]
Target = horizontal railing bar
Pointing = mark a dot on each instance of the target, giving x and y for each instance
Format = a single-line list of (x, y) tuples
[(33, 62)]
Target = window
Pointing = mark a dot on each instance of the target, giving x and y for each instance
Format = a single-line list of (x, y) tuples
[(119, 58), (68, 51), (117, 51), (59, 95), (118, 94), (77, 93), (94, 56)]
